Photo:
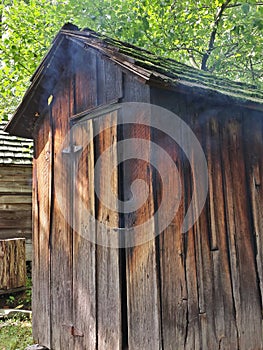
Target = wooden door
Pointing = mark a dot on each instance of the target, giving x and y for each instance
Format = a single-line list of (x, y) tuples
[(96, 309)]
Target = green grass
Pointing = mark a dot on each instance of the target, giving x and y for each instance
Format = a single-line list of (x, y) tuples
[(15, 334)]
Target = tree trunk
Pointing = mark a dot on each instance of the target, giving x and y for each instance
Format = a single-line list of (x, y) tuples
[(12, 264)]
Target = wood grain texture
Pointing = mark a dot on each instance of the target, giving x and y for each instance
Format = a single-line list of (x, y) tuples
[(41, 235), (84, 250), (8, 217), (16, 233), (225, 332), (253, 136), (196, 290), (85, 85), (15, 201), (12, 264), (240, 237), (109, 81), (142, 285), (143, 303), (107, 258), (171, 258), (61, 287), (222, 251), (15, 187)]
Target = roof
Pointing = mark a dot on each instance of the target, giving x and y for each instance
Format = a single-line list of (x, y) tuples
[(153, 70), (165, 70), (14, 150)]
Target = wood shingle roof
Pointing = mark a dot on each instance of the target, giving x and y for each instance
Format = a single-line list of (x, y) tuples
[(14, 150)]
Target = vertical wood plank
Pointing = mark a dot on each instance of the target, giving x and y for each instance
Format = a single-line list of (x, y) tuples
[(240, 237), (253, 141), (84, 250), (113, 81), (101, 81), (107, 259), (85, 90), (41, 234), (203, 255), (225, 331), (143, 303), (178, 256), (109, 81), (171, 250), (142, 284), (192, 336), (61, 239)]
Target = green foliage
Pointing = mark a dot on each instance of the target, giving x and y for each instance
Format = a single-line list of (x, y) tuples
[(11, 300), (28, 293), (15, 334), (182, 30), (223, 36), (27, 29), (23, 299)]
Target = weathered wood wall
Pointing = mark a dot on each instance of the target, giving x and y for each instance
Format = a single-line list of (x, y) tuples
[(15, 188), (198, 290), (218, 263), (41, 265), (15, 201), (66, 267)]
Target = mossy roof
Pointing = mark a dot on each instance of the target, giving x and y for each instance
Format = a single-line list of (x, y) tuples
[(153, 70), (164, 70)]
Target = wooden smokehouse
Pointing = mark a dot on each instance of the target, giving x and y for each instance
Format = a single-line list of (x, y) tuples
[(199, 289)]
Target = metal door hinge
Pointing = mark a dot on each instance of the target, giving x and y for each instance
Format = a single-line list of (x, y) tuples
[(73, 149)]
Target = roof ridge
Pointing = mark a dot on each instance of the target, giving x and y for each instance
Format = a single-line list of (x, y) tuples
[(175, 71)]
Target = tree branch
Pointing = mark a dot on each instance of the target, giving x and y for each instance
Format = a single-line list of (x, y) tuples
[(213, 35), (232, 6), (182, 47), (192, 60), (252, 69)]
